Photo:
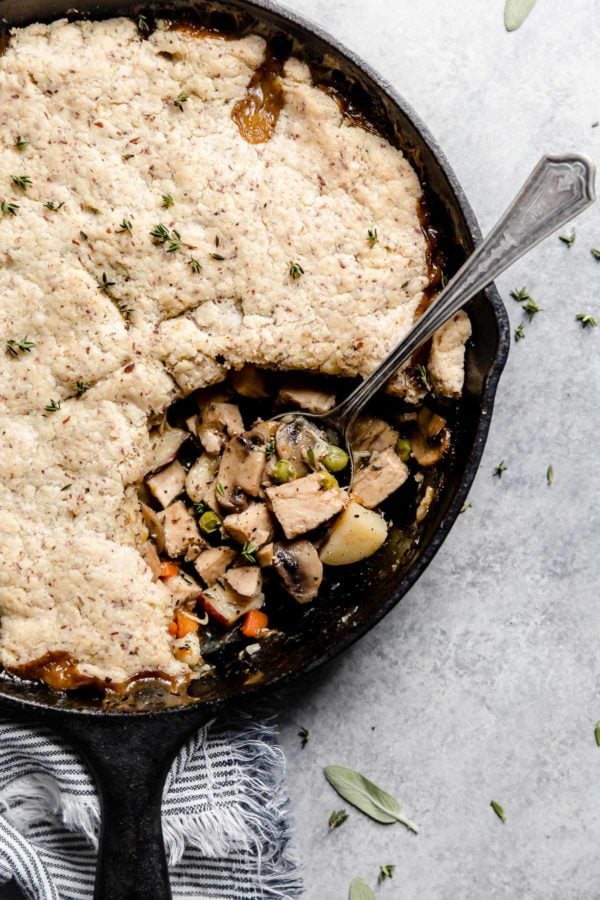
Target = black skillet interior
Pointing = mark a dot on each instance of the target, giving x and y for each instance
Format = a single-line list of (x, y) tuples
[(130, 753)]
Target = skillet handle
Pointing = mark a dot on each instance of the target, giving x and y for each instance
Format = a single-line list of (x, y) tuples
[(129, 758)]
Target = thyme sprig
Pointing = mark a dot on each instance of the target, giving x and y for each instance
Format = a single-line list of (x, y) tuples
[(180, 100), (21, 143), (249, 552), (23, 346), (164, 235), (21, 181), (53, 206), (372, 237), (8, 209), (586, 319), (53, 406)]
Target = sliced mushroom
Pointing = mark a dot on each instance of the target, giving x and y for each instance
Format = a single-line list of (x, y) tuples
[(371, 433), (250, 382), (241, 469), (168, 483), (384, 474), (181, 535), (294, 441), (226, 606), (304, 504), (305, 396), (154, 525), (200, 481), (301, 571), (165, 446), (431, 440), (245, 580), (150, 557), (253, 525), (212, 563)]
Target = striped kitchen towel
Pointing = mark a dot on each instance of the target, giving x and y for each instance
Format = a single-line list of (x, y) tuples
[(225, 816)]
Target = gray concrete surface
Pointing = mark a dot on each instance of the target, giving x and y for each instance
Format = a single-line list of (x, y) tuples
[(484, 682)]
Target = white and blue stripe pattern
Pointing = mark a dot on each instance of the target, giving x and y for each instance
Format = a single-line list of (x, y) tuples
[(225, 816)]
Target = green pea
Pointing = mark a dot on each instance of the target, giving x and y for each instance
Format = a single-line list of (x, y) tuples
[(284, 471), (209, 522), (403, 449), (328, 481), (335, 459)]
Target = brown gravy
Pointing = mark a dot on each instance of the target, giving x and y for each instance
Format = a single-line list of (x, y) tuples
[(257, 113)]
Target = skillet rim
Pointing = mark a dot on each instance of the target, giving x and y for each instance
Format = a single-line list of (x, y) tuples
[(309, 30)]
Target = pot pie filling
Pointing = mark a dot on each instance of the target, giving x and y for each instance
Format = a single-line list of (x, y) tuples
[(194, 238)]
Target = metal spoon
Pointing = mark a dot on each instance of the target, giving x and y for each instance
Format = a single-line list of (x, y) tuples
[(558, 189)]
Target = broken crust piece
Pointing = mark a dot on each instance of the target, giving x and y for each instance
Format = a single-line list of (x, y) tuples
[(446, 364), (383, 475), (304, 504)]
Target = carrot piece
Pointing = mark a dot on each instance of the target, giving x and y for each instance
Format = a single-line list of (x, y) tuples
[(168, 569), (254, 621), (185, 624), (172, 629)]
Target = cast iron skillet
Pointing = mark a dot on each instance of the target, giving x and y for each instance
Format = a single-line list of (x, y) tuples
[(129, 751)]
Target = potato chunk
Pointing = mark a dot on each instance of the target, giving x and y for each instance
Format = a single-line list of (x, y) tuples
[(357, 534)]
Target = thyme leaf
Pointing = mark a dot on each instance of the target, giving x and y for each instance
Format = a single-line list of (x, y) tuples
[(304, 736), (195, 266), (423, 377), (21, 143), (125, 226), (372, 237), (167, 200), (180, 100), (296, 270), (587, 320), (53, 206), (531, 308), (22, 346), (499, 810), (597, 734), (568, 239), (249, 552), (53, 406), (220, 489), (337, 818), (519, 333), (105, 285), (500, 468), (218, 256), (81, 387), (550, 476), (21, 181), (385, 872), (7, 208), (595, 253)]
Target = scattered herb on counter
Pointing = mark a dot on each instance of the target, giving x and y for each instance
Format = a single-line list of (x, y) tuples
[(21, 143), (66, 487), (385, 872), (125, 226), (531, 308), (53, 206), (515, 13), (360, 890), (366, 796), (520, 294), (22, 346), (195, 266), (220, 489), (465, 507), (550, 476), (337, 818), (595, 124), (105, 285), (180, 100), (519, 333), (597, 734), (81, 387), (249, 552), (587, 320), (8, 208), (218, 256), (167, 200), (424, 377), (296, 270), (500, 468), (53, 406), (567, 239), (499, 810), (21, 181), (595, 253), (304, 736), (372, 237)]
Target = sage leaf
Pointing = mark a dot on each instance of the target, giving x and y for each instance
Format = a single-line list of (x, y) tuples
[(515, 13), (366, 796), (360, 890)]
